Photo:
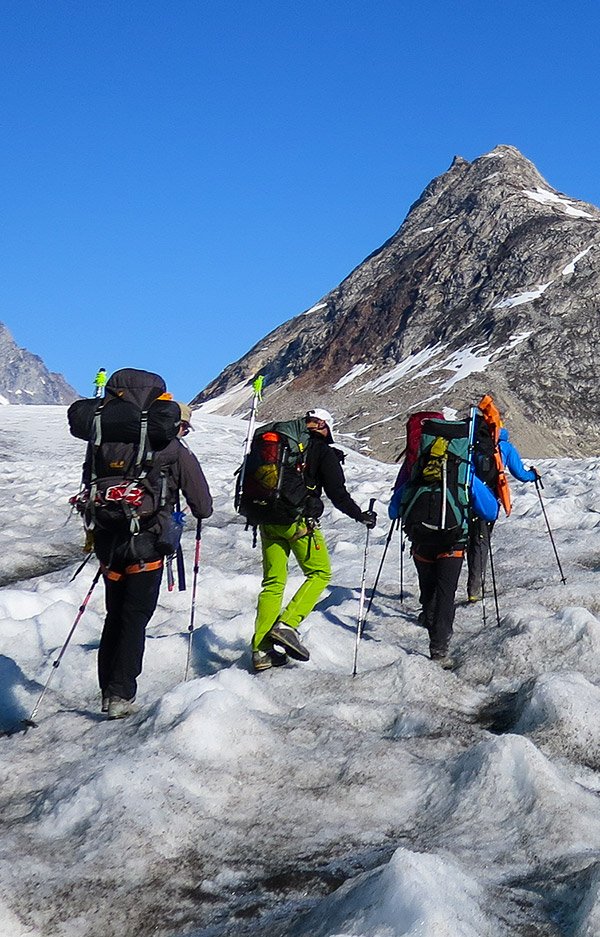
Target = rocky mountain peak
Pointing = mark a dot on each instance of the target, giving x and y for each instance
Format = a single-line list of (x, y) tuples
[(25, 379), (489, 285)]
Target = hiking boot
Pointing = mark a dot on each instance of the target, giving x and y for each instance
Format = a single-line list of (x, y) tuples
[(105, 699), (264, 660), (441, 658), (119, 708), (278, 658), (283, 634), (474, 598), (261, 660)]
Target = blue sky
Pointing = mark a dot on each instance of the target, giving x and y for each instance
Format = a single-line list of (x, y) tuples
[(180, 177)]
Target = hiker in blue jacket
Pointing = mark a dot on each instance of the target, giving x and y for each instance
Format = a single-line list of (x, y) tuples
[(480, 531), (438, 569)]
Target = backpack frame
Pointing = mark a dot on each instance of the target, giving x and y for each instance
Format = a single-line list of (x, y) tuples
[(124, 496), (271, 485), (435, 502)]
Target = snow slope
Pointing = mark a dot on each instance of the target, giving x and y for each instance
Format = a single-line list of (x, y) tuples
[(301, 801)]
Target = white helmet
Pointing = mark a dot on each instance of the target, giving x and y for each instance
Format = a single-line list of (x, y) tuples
[(317, 413)]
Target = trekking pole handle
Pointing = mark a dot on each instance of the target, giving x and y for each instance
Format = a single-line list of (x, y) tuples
[(372, 503), (538, 478)]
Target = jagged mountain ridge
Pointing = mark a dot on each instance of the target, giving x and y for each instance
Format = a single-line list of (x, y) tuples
[(490, 284), (25, 379)]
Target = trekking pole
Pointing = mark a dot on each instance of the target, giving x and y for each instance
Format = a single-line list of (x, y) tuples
[(193, 609), (80, 567), (180, 570), (30, 723), (257, 386), (360, 621), (483, 578), (170, 576), (539, 484), (401, 546), (493, 572), (483, 608), (179, 553), (374, 589)]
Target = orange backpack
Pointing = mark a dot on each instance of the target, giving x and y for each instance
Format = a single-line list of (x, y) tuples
[(491, 415)]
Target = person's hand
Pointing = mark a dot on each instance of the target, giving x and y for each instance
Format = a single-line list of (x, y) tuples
[(368, 518), (314, 507), (532, 468)]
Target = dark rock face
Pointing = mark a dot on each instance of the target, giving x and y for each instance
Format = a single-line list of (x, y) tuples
[(490, 285), (24, 378)]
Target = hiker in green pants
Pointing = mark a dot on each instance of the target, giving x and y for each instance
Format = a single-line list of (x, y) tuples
[(310, 551), (274, 626)]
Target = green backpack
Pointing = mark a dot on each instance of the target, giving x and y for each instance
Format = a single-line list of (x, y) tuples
[(271, 487), (435, 502)]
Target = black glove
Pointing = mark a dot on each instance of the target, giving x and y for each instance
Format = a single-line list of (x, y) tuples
[(368, 518), (314, 507)]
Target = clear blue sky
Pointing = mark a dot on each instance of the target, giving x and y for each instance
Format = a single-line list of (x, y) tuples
[(179, 177)]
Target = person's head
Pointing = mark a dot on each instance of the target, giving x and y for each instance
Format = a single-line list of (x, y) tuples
[(185, 425), (319, 421)]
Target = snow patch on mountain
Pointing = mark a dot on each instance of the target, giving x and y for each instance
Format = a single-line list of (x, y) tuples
[(570, 268), (352, 374), (545, 197), (527, 297)]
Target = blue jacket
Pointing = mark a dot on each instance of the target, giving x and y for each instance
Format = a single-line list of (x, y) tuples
[(512, 460)]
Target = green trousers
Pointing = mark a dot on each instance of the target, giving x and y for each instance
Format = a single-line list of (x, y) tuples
[(311, 554)]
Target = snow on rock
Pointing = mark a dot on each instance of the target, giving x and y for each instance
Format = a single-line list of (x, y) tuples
[(353, 373), (527, 297), (545, 197)]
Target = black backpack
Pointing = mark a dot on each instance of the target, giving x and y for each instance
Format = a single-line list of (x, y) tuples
[(484, 449), (271, 486), (125, 493)]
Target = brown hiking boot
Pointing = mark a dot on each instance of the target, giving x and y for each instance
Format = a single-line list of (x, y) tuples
[(288, 638)]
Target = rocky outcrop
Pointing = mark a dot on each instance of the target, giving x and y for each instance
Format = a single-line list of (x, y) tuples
[(24, 378), (490, 285)]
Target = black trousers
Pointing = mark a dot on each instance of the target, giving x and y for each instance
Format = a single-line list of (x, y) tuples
[(130, 604), (478, 549), (438, 578)]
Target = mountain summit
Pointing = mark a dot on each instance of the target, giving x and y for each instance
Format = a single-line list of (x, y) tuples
[(491, 284), (24, 378)]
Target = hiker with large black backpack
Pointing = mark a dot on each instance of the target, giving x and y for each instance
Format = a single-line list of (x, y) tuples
[(434, 501), (288, 467), (135, 466), (493, 453)]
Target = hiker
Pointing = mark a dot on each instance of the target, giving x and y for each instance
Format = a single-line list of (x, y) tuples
[(100, 383), (132, 564), (434, 497), (302, 537), (480, 531)]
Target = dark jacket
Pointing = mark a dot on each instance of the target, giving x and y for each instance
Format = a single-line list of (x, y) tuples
[(324, 472), (184, 473)]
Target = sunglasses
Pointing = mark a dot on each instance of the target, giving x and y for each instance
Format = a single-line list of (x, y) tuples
[(320, 424)]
